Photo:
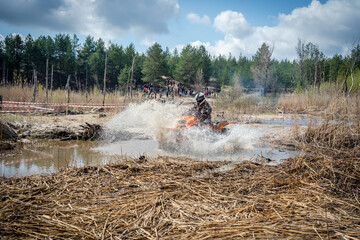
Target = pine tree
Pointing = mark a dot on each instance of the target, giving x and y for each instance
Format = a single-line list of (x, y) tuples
[(154, 65), (186, 68)]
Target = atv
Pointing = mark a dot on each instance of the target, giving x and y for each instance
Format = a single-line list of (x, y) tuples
[(190, 121)]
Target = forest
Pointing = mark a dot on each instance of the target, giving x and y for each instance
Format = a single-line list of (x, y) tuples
[(62, 61)]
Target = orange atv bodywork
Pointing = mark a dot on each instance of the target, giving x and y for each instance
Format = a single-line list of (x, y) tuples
[(191, 121)]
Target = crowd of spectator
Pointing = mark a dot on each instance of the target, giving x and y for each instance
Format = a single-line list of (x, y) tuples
[(172, 89)]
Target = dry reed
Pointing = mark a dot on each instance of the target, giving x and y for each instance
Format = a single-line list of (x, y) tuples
[(24, 94), (178, 198), (319, 101), (234, 108)]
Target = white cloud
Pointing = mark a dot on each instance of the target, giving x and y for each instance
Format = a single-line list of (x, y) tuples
[(331, 26), (230, 22), (194, 18)]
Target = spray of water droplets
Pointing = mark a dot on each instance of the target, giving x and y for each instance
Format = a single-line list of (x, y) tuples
[(155, 120)]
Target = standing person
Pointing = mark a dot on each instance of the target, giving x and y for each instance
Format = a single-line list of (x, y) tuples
[(202, 109)]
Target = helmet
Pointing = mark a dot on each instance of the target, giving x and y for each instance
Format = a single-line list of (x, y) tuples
[(200, 97)]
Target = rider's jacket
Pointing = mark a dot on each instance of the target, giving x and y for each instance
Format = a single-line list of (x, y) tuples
[(202, 111)]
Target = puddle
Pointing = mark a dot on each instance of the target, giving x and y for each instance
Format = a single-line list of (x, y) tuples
[(142, 130), (51, 156), (132, 148)]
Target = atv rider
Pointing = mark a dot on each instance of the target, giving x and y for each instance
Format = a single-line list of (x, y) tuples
[(202, 109)]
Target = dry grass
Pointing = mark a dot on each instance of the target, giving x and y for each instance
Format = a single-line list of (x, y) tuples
[(318, 101), (173, 198), (337, 125), (333, 134), (234, 108), (24, 94), (95, 97)]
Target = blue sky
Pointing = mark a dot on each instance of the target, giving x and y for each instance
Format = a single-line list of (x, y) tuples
[(224, 27)]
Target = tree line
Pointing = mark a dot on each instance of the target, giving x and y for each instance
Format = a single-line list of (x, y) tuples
[(62, 62)]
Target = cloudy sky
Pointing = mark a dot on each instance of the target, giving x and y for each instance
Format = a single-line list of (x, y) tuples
[(222, 26)]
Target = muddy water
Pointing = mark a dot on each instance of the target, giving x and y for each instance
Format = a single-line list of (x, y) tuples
[(51, 156), (143, 130)]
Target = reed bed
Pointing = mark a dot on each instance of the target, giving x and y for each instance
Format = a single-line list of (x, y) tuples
[(332, 132), (94, 96), (181, 198), (315, 101)]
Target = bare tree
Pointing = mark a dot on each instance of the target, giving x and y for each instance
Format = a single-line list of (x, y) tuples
[(199, 80), (105, 78), (300, 49), (236, 90), (97, 81), (35, 85), (47, 78), (132, 75), (3, 72), (261, 68), (130, 79), (67, 91), (313, 58), (78, 83), (51, 79), (86, 84)]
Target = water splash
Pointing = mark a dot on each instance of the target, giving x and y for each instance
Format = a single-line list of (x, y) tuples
[(147, 120), (154, 120), (209, 145)]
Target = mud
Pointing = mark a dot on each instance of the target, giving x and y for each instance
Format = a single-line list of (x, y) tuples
[(63, 128)]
